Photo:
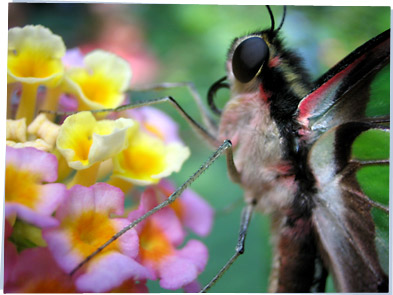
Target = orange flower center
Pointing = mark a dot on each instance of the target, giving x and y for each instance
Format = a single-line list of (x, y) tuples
[(176, 206), (90, 231), (154, 245), (21, 187)]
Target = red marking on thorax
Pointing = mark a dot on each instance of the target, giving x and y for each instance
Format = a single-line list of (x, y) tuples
[(265, 95), (275, 61)]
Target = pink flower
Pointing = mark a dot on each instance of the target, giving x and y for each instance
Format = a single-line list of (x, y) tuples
[(10, 253), (192, 210), (156, 122), (73, 58), (85, 224), (159, 236), (26, 195), (37, 272)]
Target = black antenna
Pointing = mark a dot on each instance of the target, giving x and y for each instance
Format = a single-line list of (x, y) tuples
[(283, 18), (271, 17)]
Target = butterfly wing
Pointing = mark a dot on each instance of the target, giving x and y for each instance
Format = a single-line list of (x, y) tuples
[(343, 93), (351, 227)]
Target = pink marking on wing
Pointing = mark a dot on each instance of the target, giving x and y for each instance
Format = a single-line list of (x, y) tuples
[(311, 101)]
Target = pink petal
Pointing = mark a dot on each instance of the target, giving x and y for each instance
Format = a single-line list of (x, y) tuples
[(10, 253), (193, 287), (176, 273), (34, 266), (29, 215), (129, 241), (198, 214), (79, 200), (73, 58), (110, 271), (68, 103), (196, 252), (51, 196), (170, 225), (108, 198), (100, 197), (61, 248), (160, 120), (30, 159), (165, 218)]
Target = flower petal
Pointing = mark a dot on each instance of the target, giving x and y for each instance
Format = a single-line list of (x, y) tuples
[(29, 215), (196, 252), (156, 122), (102, 83), (83, 141), (37, 272), (26, 169), (193, 287), (193, 211), (198, 214), (34, 55), (110, 271), (110, 138), (61, 247), (176, 273), (42, 164), (10, 253), (147, 159), (129, 241)]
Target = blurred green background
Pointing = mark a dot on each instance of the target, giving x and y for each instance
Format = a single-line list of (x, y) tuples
[(190, 43)]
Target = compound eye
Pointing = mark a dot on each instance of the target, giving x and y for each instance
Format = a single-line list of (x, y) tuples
[(248, 58)]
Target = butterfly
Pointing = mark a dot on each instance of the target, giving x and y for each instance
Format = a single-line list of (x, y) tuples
[(292, 139), (296, 158)]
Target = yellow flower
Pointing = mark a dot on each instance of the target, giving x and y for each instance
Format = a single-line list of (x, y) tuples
[(147, 159), (34, 55), (102, 83), (84, 141), (34, 59)]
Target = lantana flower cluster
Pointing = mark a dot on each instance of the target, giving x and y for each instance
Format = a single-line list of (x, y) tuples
[(72, 182)]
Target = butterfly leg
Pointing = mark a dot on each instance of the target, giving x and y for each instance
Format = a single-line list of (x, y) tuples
[(210, 136), (245, 221), (227, 145), (207, 119)]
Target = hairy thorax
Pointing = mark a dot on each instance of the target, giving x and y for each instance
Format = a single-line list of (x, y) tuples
[(258, 151)]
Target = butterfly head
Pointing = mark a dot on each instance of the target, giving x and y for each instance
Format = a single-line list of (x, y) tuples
[(250, 55), (259, 62)]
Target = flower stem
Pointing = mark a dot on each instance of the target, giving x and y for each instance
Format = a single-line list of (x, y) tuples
[(27, 104), (51, 100), (10, 91), (86, 177), (122, 184)]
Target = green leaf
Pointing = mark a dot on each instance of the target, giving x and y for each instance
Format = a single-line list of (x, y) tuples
[(25, 235)]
